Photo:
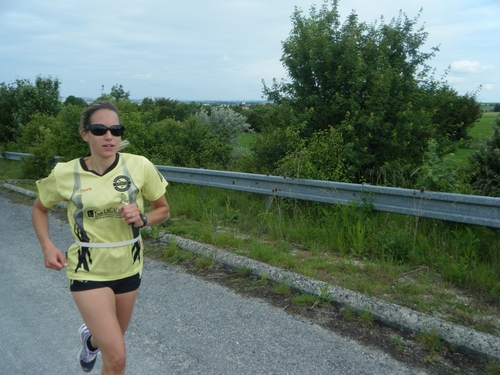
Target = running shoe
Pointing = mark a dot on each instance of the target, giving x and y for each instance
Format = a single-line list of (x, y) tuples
[(86, 358)]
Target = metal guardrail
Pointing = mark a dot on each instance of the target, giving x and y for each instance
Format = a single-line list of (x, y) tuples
[(467, 209), (18, 156), (15, 155)]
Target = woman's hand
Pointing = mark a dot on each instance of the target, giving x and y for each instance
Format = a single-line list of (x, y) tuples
[(131, 215), (159, 213), (54, 258)]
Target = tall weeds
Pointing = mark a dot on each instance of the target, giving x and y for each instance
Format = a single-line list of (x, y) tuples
[(465, 255)]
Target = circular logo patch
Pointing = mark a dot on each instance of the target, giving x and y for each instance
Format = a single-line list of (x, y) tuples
[(121, 183), (91, 213)]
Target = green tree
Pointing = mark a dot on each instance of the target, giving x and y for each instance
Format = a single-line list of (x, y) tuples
[(225, 122), (496, 108), (34, 141), (66, 127), (118, 93), (188, 144), (261, 117), (453, 114), (46, 137), (21, 100), (370, 82), (9, 128), (319, 158), (168, 108), (73, 100), (41, 97), (281, 136)]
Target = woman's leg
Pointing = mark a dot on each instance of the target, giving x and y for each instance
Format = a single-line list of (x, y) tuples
[(107, 316), (124, 307)]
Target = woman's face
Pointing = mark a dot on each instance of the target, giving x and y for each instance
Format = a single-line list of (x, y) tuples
[(104, 146)]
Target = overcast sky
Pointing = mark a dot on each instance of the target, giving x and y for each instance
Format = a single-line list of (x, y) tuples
[(217, 49)]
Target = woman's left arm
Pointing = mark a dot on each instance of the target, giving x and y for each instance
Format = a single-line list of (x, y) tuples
[(160, 212)]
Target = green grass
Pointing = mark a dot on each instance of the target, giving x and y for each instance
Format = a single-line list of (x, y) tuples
[(245, 140), (306, 300), (492, 368), (282, 290), (10, 170), (479, 134), (482, 130), (398, 342), (348, 314), (431, 341), (366, 317)]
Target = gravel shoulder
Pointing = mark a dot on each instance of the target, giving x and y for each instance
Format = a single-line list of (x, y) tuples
[(400, 345)]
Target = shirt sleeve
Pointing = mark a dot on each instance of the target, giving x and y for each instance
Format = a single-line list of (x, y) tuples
[(48, 191), (155, 183)]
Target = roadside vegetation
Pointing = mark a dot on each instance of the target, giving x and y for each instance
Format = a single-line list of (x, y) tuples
[(360, 105), (447, 270)]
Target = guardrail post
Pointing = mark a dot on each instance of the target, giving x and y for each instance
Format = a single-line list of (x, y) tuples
[(202, 188)]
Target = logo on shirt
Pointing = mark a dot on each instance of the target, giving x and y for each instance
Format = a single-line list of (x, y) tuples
[(94, 213), (122, 183), (81, 191)]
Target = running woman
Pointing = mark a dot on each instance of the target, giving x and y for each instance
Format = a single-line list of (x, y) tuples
[(105, 192)]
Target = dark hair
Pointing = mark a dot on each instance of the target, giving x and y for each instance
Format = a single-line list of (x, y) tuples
[(97, 106)]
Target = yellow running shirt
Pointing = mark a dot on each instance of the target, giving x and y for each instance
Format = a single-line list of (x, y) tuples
[(93, 215)]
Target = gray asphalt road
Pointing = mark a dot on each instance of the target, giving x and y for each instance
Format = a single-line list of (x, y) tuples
[(181, 324)]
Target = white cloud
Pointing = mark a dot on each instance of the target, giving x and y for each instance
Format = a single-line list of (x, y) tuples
[(465, 66)]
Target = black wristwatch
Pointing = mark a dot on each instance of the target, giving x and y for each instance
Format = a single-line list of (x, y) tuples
[(144, 220)]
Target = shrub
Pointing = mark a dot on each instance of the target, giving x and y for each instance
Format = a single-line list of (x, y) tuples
[(440, 173), (319, 158), (225, 122), (35, 140)]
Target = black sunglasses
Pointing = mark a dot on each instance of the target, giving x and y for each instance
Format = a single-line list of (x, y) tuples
[(100, 129)]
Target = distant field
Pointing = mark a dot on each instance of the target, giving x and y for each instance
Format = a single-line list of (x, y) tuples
[(487, 107), (484, 126), (480, 133)]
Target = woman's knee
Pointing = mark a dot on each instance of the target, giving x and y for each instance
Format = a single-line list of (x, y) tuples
[(114, 362)]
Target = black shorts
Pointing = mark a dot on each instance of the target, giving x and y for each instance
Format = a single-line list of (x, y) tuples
[(128, 284)]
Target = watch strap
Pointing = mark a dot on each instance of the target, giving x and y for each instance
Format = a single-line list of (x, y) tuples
[(144, 219)]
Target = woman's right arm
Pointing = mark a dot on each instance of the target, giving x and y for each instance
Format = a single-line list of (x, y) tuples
[(53, 257)]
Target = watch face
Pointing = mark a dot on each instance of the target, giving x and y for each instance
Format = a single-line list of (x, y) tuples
[(144, 219)]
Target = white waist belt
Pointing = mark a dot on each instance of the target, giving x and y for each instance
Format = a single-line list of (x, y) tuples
[(108, 244)]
